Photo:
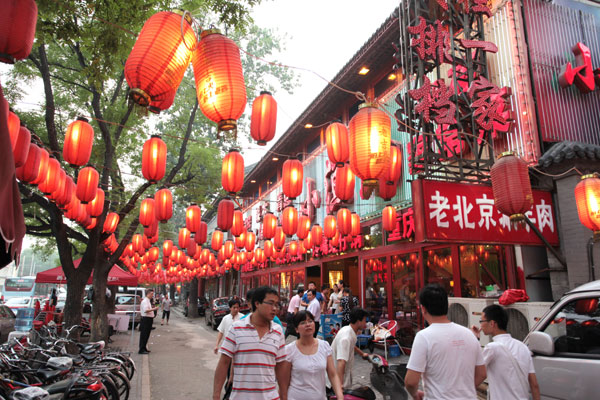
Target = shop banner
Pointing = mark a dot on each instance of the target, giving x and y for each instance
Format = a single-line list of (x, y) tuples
[(459, 212)]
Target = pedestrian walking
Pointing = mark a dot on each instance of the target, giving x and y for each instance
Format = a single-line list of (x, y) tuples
[(256, 346), (446, 355), (166, 308), (228, 320), (347, 303), (147, 312), (307, 364), (510, 371), (293, 308), (344, 346), (334, 299), (311, 285), (314, 307), (249, 300)]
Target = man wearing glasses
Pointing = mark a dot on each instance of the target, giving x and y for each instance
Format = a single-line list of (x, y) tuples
[(256, 346)]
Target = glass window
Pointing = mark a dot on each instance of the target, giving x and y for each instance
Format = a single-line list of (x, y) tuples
[(335, 276), (298, 278), (438, 268), (576, 327), (376, 277), (404, 290), (482, 270)]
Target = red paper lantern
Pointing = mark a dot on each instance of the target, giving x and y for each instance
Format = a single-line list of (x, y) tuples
[(329, 226), (269, 225), (344, 183), (264, 118), (308, 241), (240, 241), (147, 212), (370, 136), (163, 205), (279, 239), (191, 248), (60, 187), (229, 247), (293, 248), (158, 106), (317, 235), (250, 241), (338, 146), (42, 168), (50, 182), (216, 240), (167, 248), (87, 182), (28, 172), (225, 214), (393, 173), (335, 240), (220, 86), (237, 226), (159, 58), (355, 221), (137, 243), (111, 222), (21, 148), (303, 227), (292, 178), (14, 125), (232, 172), (192, 218), (587, 197), (511, 186), (151, 231), (79, 140), (289, 220), (201, 234), (386, 191), (154, 159), (18, 20), (269, 247), (388, 218), (63, 197), (95, 207), (344, 221)]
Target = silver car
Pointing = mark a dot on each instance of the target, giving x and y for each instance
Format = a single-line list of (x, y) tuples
[(566, 346), (128, 304)]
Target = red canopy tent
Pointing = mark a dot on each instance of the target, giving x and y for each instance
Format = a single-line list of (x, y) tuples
[(116, 276)]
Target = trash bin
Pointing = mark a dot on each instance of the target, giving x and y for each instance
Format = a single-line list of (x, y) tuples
[(24, 321)]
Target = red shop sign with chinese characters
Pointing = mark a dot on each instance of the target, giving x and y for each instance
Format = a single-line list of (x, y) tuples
[(458, 212)]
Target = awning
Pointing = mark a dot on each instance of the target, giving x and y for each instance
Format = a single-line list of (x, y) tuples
[(116, 276)]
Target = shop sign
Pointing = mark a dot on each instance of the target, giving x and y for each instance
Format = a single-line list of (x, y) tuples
[(346, 243), (405, 225), (457, 212), (582, 74)]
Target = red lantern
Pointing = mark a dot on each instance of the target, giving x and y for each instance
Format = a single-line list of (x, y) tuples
[(250, 241), (111, 222), (154, 159), (191, 248), (511, 186), (344, 183), (163, 205), (42, 168), (303, 227), (264, 118), (17, 29), (87, 182), (225, 214), (63, 197), (289, 220), (269, 225), (217, 240), (268, 245), (317, 235), (393, 173), (167, 248), (330, 226), (587, 196), (240, 241), (232, 172), (14, 125), (137, 243), (279, 239), (160, 56), (79, 140), (386, 191), (192, 218), (293, 248), (338, 146), (60, 187), (355, 221), (292, 178), (21, 149), (147, 212), (92, 224), (96, 206), (308, 241), (50, 183), (237, 226), (335, 240), (152, 231), (204, 256), (370, 136), (219, 79), (229, 247), (344, 221), (29, 170), (388, 218), (201, 234)]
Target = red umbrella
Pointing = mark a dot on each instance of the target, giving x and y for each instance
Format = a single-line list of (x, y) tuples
[(116, 276)]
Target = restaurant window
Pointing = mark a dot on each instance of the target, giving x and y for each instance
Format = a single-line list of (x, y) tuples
[(482, 270), (298, 279), (438, 268), (376, 276), (404, 295)]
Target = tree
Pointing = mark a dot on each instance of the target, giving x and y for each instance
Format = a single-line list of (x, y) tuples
[(78, 58)]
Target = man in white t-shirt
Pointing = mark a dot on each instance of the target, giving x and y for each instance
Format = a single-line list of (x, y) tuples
[(228, 320), (344, 345), (293, 308), (446, 355), (147, 312), (509, 365), (314, 307)]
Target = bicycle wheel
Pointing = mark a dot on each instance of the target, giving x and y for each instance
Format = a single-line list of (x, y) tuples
[(111, 388), (128, 364), (122, 383)]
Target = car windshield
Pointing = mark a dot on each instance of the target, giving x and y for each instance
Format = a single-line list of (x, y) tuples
[(127, 300), (221, 302), (17, 301)]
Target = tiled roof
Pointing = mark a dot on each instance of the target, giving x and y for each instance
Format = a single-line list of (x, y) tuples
[(569, 150)]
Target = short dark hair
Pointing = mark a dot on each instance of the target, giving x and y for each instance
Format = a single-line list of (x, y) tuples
[(149, 291), (313, 291), (313, 282), (260, 293), (324, 286), (302, 316), (347, 290), (300, 290), (234, 301), (435, 299), (357, 314), (497, 313), (249, 294)]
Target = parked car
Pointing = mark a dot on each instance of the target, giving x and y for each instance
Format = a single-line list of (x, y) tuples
[(202, 305), (219, 308), (14, 303), (7, 322), (566, 346), (128, 304)]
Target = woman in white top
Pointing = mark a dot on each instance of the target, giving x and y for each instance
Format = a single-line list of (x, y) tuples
[(334, 299), (308, 360)]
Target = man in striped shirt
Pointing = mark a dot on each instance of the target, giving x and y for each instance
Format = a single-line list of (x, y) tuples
[(256, 346)]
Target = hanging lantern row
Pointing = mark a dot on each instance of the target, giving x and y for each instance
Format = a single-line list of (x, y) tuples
[(17, 29)]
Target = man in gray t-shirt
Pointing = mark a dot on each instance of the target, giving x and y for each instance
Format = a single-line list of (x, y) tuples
[(166, 306)]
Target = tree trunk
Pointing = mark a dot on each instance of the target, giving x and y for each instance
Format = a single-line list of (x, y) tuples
[(99, 324), (110, 303), (172, 292), (193, 304), (74, 301)]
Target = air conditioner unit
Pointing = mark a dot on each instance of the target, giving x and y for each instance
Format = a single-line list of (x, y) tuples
[(522, 317), (467, 312)]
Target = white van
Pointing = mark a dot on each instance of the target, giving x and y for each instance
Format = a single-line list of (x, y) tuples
[(140, 291)]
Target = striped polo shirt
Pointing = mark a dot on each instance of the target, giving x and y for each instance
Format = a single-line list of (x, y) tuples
[(254, 360)]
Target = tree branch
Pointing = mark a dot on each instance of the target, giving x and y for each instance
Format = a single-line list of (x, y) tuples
[(183, 148), (50, 105), (87, 89), (118, 88)]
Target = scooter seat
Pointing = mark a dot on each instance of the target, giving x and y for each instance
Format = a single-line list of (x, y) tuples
[(362, 392), (60, 387), (48, 374)]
